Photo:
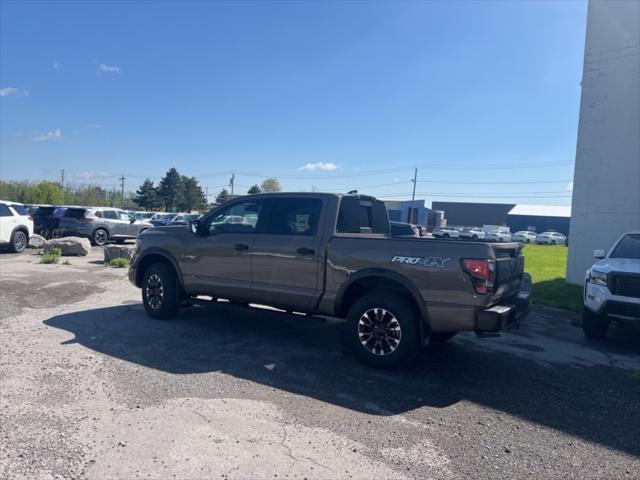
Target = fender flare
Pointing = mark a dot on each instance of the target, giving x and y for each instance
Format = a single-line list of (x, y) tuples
[(163, 253), (424, 324)]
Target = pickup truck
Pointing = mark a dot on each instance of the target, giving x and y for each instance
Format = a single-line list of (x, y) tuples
[(332, 255)]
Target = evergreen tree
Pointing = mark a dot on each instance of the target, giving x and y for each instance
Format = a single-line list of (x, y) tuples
[(170, 189), (192, 197), (255, 189), (222, 196), (146, 195)]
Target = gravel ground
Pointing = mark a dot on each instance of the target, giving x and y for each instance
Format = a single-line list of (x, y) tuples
[(93, 388)]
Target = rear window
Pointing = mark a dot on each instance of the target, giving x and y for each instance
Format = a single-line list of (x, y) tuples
[(358, 215), (629, 247), (44, 211), (75, 212), (20, 210)]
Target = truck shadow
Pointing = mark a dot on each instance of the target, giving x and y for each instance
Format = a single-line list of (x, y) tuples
[(303, 355)]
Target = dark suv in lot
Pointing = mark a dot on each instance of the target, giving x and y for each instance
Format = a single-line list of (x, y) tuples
[(101, 224)]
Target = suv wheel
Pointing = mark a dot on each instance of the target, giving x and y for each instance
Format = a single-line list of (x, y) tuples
[(382, 329), (160, 291), (594, 325), (19, 241), (100, 237)]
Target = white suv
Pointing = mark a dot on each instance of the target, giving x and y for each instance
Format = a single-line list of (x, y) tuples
[(612, 286), (16, 226)]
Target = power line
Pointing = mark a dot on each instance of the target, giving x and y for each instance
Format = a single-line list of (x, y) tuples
[(494, 183)]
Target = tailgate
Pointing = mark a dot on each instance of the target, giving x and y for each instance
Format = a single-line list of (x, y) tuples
[(509, 268)]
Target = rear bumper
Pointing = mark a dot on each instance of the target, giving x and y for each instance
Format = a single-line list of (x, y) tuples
[(500, 316)]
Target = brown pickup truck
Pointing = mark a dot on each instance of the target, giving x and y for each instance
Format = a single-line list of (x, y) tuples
[(332, 255)]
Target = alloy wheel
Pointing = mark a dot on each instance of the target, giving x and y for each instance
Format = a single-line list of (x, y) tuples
[(101, 237), (20, 241), (379, 331), (154, 291)]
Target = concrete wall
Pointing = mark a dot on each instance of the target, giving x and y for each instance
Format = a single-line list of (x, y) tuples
[(606, 187)]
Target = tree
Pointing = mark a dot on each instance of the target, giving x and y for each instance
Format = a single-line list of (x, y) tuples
[(222, 196), (170, 189), (254, 189), (45, 192), (147, 195), (192, 197), (271, 185)]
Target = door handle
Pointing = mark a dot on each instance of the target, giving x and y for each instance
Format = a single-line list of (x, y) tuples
[(306, 251), (240, 247)]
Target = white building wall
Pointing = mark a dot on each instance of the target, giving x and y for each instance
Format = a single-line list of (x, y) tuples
[(606, 186)]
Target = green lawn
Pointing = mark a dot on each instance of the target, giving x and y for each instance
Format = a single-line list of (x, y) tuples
[(547, 264)]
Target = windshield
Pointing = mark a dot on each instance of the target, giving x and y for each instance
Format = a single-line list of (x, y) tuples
[(628, 247)]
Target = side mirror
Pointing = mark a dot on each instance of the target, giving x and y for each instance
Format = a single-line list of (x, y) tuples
[(599, 253), (194, 227)]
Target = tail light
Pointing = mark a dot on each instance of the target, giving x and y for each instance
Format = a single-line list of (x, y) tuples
[(482, 273)]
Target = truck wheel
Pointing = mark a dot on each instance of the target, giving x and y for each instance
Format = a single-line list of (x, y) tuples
[(160, 291), (594, 325), (441, 337), (100, 237), (382, 329), (19, 241)]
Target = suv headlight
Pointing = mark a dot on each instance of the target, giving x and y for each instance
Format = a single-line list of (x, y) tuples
[(598, 278)]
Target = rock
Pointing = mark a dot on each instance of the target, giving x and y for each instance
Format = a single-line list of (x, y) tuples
[(71, 246), (118, 251), (37, 241)]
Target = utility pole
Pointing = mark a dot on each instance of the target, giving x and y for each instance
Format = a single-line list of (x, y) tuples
[(122, 179), (62, 183), (233, 177), (206, 194), (413, 196)]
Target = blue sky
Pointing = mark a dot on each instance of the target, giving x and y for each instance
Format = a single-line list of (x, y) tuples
[(335, 95)]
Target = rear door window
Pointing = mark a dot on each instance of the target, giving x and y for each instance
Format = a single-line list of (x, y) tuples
[(4, 211), (110, 214), (294, 216), (75, 212), (20, 210)]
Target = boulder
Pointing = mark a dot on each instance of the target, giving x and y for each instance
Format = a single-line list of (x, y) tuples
[(71, 246), (118, 251), (37, 241)]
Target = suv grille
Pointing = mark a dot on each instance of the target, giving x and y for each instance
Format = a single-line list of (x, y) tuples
[(625, 285)]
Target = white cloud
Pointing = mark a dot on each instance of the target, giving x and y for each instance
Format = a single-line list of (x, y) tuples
[(57, 65), (89, 175), (5, 92), (54, 134), (109, 68), (319, 166), (570, 186)]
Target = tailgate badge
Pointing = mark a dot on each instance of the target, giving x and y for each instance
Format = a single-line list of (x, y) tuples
[(438, 262)]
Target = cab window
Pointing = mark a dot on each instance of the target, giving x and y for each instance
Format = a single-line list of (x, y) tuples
[(237, 218)]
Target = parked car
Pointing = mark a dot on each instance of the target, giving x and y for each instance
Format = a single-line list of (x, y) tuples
[(16, 226), (499, 236), (612, 286), (46, 220), (473, 233), (101, 224), (144, 215), (159, 219), (550, 238), (446, 232), (331, 254), (183, 218), (403, 230), (524, 236)]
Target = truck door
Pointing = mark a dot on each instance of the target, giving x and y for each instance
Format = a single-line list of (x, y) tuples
[(219, 262), (285, 257)]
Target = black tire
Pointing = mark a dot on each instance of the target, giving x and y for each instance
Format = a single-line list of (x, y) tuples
[(594, 325), (527, 241), (553, 242), (160, 279), (500, 239), (402, 323), (474, 237), (446, 235), (19, 241), (100, 237), (441, 337)]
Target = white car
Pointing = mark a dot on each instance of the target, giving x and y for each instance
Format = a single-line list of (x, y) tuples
[(16, 226), (446, 232), (498, 236), (612, 286), (550, 238), (524, 236), (473, 233)]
